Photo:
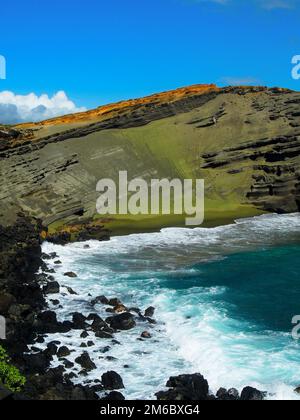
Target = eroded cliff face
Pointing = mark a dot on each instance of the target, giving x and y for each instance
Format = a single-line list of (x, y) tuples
[(244, 141)]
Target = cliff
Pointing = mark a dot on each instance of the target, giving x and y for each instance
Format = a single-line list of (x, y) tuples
[(244, 141)]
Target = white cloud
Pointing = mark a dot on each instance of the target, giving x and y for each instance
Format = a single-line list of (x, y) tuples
[(21, 108)]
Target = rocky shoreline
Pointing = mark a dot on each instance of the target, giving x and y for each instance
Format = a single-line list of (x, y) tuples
[(23, 302)]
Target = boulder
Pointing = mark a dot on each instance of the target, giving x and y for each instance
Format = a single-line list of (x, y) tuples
[(227, 395), (252, 394), (146, 334), (63, 352), (149, 312), (85, 362), (36, 363), (186, 388), (124, 321), (100, 300), (51, 349), (79, 321), (70, 274), (112, 380), (114, 302), (51, 288), (71, 291)]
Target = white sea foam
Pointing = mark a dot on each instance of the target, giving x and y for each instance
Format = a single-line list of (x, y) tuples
[(194, 331)]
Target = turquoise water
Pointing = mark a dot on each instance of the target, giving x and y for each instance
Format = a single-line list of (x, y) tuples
[(224, 299), (261, 287)]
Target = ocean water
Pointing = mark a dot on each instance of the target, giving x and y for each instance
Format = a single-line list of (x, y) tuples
[(224, 298)]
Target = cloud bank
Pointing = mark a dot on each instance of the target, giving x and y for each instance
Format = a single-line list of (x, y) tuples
[(23, 108)]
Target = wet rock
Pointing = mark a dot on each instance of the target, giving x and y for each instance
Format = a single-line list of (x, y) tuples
[(57, 262), (114, 396), (149, 312), (51, 349), (51, 288), (47, 323), (252, 394), (36, 363), (114, 302), (100, 300), (63, 352), (84, 334), (112, 380), (93, 317), (70, 376), (110, 310), (71, 291), (67, 364), (50, 256), (70, 274), (297, 390), (123, 321), (135, 310), (79, 321), (49, 270), (62, 238), (56, 385), (185, 388), (150, 320), (55, 302), (90, 343), (227, 395), (48, 317), (83, 345), (85, 362), (99, 326), (146, 334), (103, 334), (105, 349), (110, 358), (36, 349)]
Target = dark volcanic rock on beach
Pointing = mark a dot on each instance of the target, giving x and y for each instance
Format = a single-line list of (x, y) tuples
[(112, 380), (124, 321), (51, 288), (185, 388), (195, 388), (20, 296), (85, 361), (252, 394)]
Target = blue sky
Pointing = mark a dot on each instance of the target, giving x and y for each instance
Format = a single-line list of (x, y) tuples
[(103, 51)]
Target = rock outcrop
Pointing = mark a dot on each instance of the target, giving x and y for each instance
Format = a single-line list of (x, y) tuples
[(244, 141)]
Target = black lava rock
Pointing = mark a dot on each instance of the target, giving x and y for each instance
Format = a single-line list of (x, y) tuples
[(112, 380)]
